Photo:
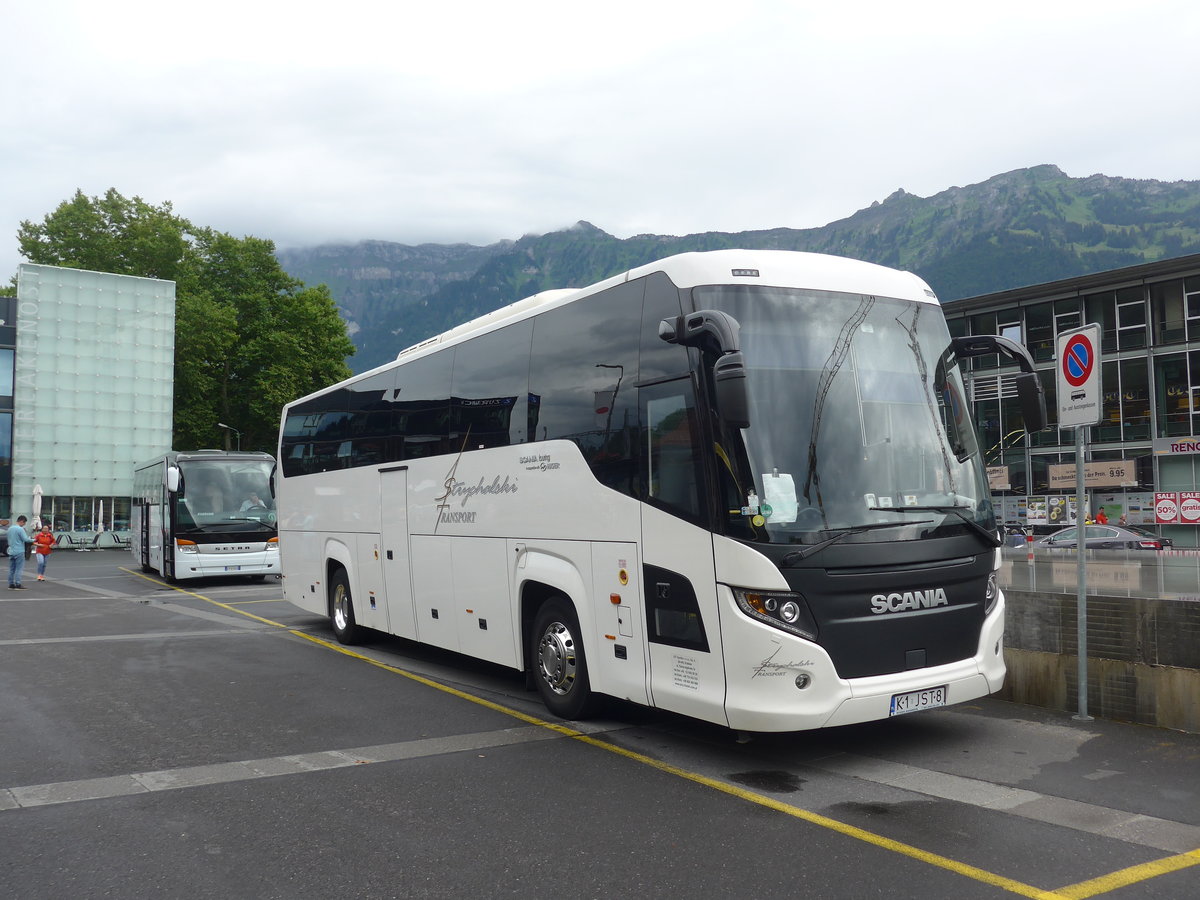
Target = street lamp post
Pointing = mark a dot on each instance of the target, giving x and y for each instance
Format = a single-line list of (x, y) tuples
[(234, 430)]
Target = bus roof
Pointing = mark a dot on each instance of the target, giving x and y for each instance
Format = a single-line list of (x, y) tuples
[(768, 268), (773, 268), (171, 456)]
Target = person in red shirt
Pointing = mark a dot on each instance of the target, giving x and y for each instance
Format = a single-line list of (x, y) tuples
[(43, 543), (1101, 518)]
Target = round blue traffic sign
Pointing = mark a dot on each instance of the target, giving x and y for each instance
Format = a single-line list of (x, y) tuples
[(1079, 357)]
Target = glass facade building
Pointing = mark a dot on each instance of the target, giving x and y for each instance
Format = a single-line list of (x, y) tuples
[(1149, 317), (86, 388)]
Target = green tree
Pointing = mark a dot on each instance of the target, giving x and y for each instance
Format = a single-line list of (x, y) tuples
[(248, 337), (109, 234), (271, 339)]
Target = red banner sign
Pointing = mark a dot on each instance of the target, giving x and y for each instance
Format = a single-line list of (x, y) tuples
[(1166, 508)]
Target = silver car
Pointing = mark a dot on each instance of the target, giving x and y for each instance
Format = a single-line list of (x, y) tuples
[(1105, 537)]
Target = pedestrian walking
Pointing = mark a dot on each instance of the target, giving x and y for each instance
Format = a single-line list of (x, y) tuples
[(44, 543), (17, 541)]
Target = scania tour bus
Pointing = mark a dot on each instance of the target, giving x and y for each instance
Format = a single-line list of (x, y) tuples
[(739, 485), (205, 513)]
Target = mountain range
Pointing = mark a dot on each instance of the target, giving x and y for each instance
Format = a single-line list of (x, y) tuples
[(1022, 227)]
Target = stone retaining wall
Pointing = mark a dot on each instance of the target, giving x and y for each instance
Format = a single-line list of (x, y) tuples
[(1143, 657)]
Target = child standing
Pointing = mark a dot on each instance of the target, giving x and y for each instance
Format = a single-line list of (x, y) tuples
[(44, 543)]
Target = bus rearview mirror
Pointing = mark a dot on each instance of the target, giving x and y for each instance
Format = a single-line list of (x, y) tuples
[(729, 381), (1032, 397)]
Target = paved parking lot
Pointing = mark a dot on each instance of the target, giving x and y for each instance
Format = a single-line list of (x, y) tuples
[(211, 740)]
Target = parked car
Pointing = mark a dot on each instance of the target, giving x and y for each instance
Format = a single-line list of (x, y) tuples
[(1105, 537)]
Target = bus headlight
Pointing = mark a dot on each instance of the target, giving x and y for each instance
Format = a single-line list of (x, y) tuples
[(273, 544), (184, 546), (782, 609), (991, 594)]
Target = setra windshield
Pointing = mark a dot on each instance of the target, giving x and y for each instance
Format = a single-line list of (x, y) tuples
[(858, 419), (223, 496)]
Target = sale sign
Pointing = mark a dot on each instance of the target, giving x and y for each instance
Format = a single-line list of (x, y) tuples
[(1189, 507), (1166, 508)]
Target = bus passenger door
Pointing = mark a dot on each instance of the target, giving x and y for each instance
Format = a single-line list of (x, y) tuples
[(393, 541), (620, 667), (683, 629)]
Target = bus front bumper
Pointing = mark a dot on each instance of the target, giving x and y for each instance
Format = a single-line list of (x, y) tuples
[(778, 682)]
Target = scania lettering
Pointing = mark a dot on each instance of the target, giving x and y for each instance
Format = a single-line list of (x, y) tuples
[(882, 603), (205, 513), (741, 486)]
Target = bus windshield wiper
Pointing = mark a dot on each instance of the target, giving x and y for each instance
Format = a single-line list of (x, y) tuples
[(797, 555), (959, 511)]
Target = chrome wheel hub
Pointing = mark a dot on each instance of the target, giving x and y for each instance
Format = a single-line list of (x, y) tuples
[(556, 658), (341, 604)]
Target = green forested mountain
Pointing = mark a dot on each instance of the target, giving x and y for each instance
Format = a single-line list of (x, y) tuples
[(1019, 228)]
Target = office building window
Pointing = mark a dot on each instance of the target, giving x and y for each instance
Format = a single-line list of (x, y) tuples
[(1169, 313), (1101, 311), (6, 376), (1135, 400), (1131, 319), (1173, 396), (1039, 330)]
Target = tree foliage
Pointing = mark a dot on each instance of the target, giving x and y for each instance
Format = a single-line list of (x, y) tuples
[(248, 337), (109, 234)]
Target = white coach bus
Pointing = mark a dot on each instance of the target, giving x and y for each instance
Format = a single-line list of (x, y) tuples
[(739, 485), (204, 513)]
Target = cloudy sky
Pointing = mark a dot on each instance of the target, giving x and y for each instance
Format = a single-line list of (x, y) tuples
[(471, 121)]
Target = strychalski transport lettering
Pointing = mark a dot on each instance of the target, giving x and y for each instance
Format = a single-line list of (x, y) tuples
[(741, 485), (205, 513)]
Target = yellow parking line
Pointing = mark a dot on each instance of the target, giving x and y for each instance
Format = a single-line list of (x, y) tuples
[(177, 588), (1126, 877), (934, 859), (1084, 889)]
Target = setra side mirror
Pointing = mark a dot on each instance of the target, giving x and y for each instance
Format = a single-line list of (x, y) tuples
[(171, 479)]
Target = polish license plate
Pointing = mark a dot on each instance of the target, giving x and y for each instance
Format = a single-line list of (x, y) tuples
[(239, 568), (915, 701)]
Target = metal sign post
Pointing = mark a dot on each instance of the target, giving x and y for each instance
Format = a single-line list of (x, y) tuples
[(1081, 554), (1079, 407)]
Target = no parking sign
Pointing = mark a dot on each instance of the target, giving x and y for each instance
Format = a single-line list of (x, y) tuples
[(1079, 377)]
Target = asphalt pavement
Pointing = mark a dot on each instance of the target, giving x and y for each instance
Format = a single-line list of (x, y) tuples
[(210, 740)]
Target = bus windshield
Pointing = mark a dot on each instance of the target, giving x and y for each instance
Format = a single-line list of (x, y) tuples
[(858, 419), (224, 496)]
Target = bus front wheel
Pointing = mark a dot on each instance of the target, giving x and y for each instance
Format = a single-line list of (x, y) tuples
[(341, 610), (559, 663)]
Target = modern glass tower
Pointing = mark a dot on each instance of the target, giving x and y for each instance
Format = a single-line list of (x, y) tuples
[(88, 362)]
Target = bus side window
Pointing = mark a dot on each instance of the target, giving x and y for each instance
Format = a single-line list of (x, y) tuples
[(490, 388), (672, 465), (583, 378), (421, 407)]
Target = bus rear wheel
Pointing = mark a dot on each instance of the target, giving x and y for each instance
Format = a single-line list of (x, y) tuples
[(559, 663), (341, 610)]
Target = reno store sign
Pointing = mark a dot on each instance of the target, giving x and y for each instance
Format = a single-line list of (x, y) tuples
[(1177, 508)]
